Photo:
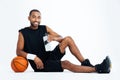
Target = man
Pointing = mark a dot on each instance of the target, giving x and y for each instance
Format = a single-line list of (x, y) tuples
[(31, 45)]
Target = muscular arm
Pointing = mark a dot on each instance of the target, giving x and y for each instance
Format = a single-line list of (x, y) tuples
[(20, 46), (53, 36), (20, 52)]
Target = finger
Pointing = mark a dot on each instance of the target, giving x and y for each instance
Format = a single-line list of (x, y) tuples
[(37, 66), (41, 67)]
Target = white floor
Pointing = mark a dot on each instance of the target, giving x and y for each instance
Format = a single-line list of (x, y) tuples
[(29, 75), (66, 75)]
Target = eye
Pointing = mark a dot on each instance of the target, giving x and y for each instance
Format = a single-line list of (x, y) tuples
[(39, 17), (33, 16)]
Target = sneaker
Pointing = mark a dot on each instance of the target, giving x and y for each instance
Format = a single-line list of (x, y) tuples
[(86, 62), (104, 67)]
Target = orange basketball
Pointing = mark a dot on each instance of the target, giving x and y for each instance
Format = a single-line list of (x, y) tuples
[(19, 64)]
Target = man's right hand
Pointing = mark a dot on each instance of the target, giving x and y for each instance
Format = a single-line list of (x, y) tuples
[(39, 63)]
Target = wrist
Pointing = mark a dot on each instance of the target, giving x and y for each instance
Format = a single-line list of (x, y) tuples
[(31, 56)]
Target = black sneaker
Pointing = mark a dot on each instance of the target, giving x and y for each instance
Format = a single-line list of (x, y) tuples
[(86, 62), (104, 67)]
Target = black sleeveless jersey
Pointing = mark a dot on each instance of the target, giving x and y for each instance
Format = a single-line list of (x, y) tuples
[(33, 40)]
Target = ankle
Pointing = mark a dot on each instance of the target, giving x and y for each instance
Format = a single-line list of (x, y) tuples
[(86, 62)]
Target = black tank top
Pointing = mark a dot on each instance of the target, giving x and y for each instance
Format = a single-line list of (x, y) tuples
[(33, 40)]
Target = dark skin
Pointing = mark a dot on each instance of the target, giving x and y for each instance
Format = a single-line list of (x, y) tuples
[(35, 19)]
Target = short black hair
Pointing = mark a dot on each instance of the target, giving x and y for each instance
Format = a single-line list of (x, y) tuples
[(33, 10)]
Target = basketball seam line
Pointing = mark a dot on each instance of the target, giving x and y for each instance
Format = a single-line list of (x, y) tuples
[(20, 63), (15, 65)]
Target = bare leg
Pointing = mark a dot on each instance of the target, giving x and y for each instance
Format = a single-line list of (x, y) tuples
[(77, 68), (68, 42)]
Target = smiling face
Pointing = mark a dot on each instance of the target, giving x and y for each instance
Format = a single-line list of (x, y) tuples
[(35, 19)]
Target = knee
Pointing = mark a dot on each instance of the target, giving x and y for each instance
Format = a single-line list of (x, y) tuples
[(65, 64), (68, 38)]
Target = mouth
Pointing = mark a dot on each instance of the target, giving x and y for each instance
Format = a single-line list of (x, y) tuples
[(36, 23)]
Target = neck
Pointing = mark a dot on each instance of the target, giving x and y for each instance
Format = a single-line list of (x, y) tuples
[(34, 27)]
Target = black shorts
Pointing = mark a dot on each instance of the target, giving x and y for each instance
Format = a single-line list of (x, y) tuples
[(52, 61)]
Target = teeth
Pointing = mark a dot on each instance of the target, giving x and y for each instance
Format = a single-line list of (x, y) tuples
[(35, 22)]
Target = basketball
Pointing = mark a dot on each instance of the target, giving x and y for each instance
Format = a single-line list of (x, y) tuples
[(19, 64)]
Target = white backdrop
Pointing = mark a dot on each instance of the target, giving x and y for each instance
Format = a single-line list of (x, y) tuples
[(93, 24)]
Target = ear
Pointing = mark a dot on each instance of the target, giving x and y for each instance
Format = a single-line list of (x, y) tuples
[(29, 18)]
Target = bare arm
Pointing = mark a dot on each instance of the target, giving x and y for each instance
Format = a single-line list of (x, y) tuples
[(20, 52), (20, 46), (53, 36)]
